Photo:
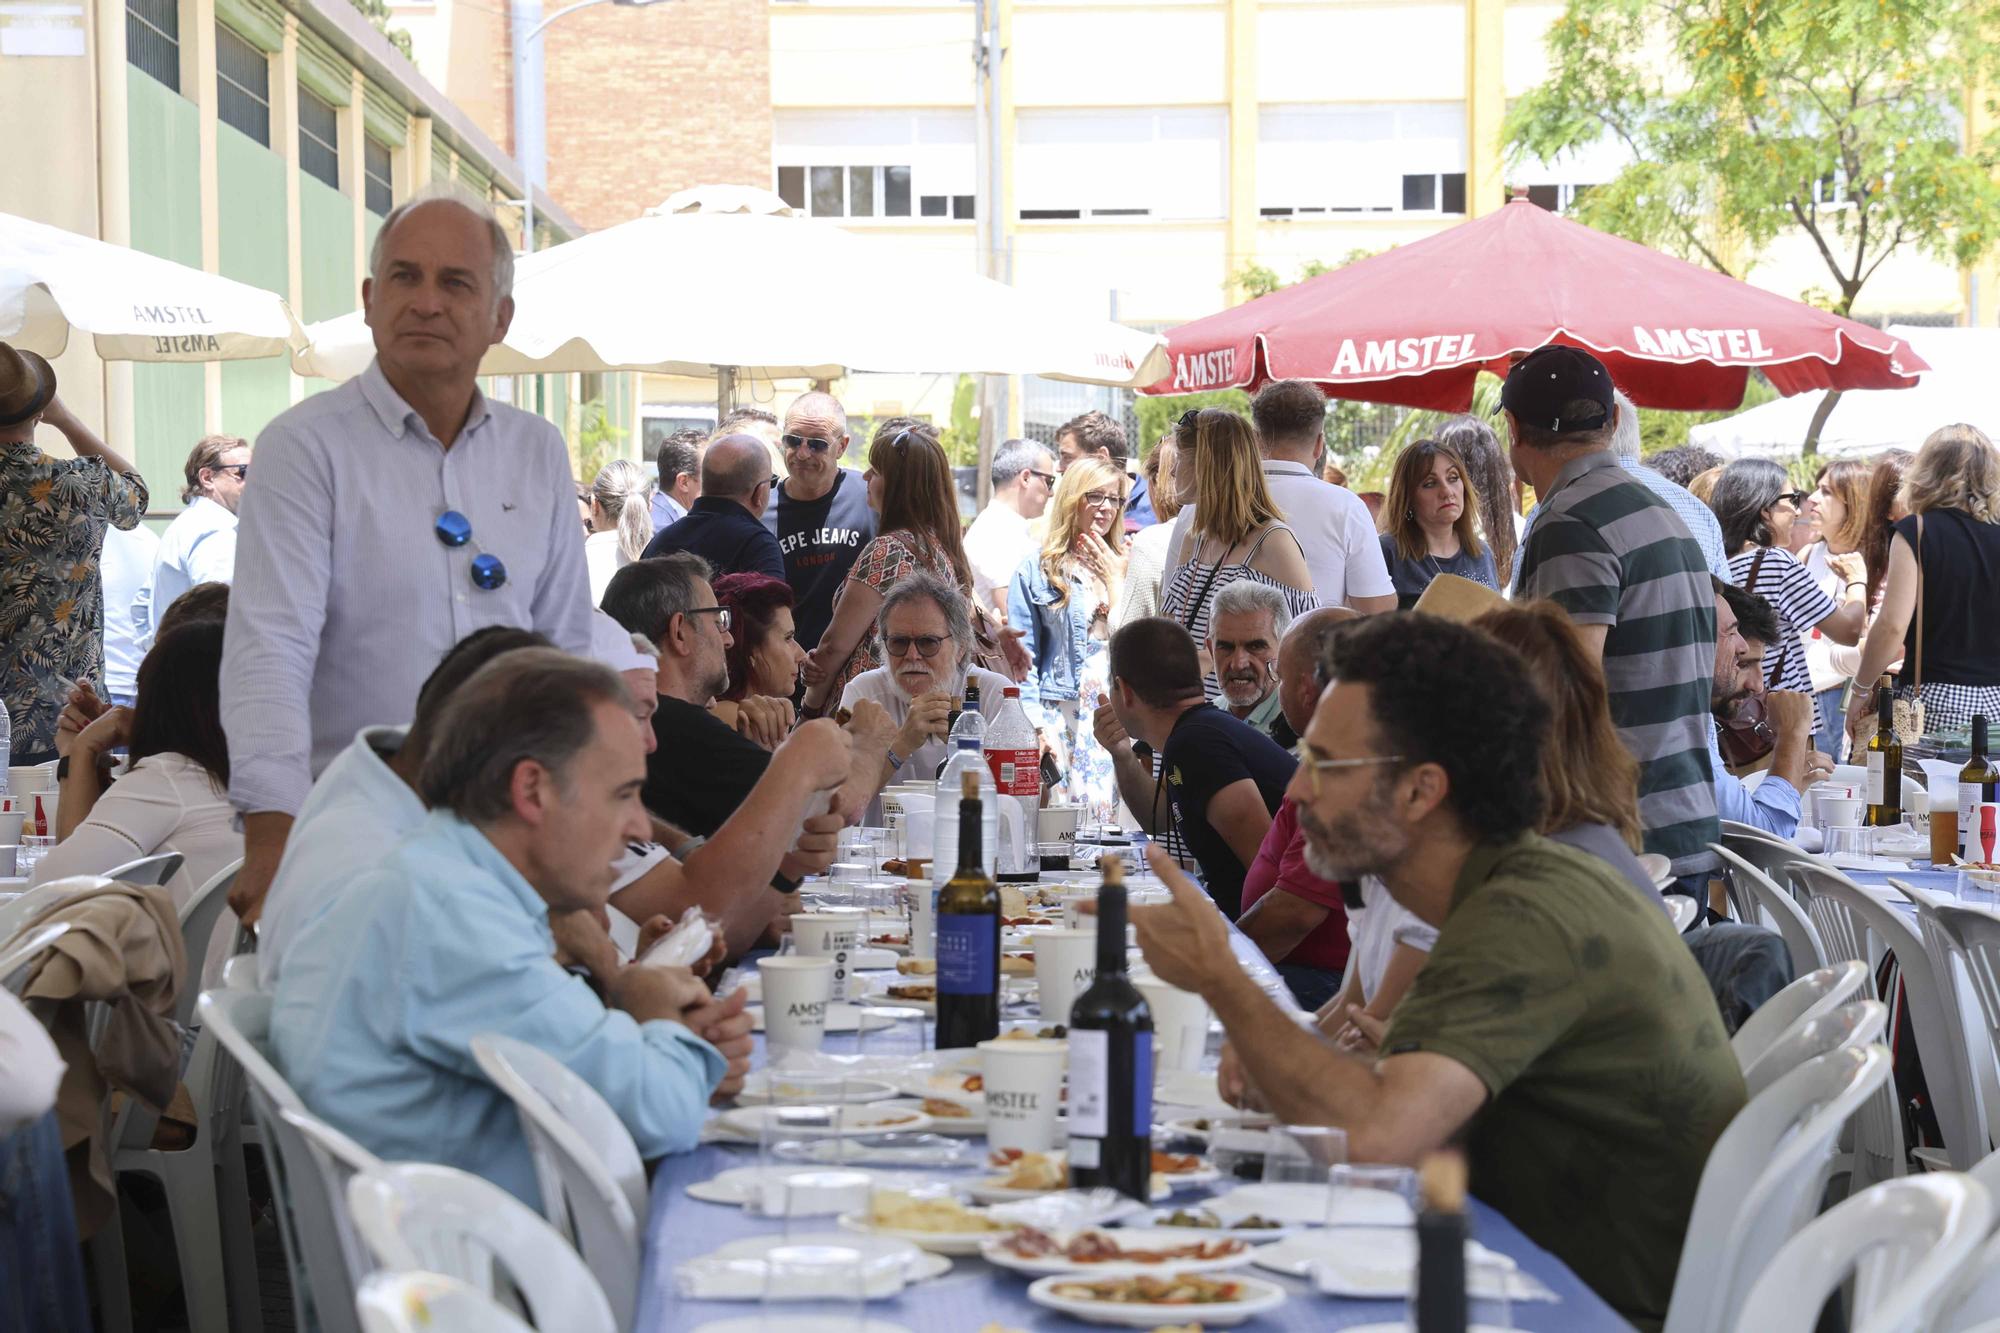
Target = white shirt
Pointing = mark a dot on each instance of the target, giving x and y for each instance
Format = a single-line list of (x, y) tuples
[(1334, 529), (1375, 929), (199, 547), (602, 557), (358, 810), (345, 599), (994, 546), (167, 803), (127, 566), (30, 1068), (879, 685)]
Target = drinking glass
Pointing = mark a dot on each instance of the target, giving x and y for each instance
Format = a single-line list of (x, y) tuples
[(828, 1282), (1302, 1154), (34, 846), (1371, 1196)]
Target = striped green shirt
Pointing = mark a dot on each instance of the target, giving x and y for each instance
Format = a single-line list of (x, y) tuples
[(1610, 552)]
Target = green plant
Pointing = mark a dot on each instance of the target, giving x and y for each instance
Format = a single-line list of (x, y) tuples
[(377, 14), (597, 440), (960, 439), (1158, 415)]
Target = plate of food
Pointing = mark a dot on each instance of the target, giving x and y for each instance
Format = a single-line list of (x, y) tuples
[(1146, 1300), (1205, 1127), (907, 1151), (948, 1115), (762, 1086), (1184, 1170), (1126, 1250), (927, 967), (1024, 1175), (840, 1017), (736, 1271), (1252, 1227), (920, 993), (938, 1223), (1376, 1263), (871, 959), (825, 1122), (741, 1185)]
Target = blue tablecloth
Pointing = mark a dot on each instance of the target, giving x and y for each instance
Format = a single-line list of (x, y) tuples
[(974, 1293)]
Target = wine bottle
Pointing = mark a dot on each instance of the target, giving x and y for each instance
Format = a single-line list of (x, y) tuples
[(1441, 1303), (1111, 1062), (968, 936), (1885, 766), (1977, 782)]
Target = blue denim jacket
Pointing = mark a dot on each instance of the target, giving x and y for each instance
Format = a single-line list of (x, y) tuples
[(1057, 638)]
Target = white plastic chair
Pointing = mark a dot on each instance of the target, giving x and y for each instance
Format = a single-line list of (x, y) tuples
[(326, 1258), (1762, 1182), (149, 870), (1903, 1242), (1772, 904), (1972, 1048), (1682, 909), (240, 972), (418, 1216), (1860, 914), (33, 902), (429, 1303), (18, 955), (592, 1179), (1817, 992), (1972, 1303), (1857, 1024)]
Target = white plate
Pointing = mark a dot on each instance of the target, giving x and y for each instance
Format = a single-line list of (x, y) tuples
[(1305, 1204), (995, 1251), (962, 1244), (825, 1122), (986, 1189), (1157, 1218), (800, 1323), (1187, 1180), (1190, 1087), (840, 1017), (1013, 991), (757, 1090), (948, 1084), (1258, 1296), (1369, 1263), (927, 1150), (972, 1124), (873, 958), (735, 1272), (744, 1184)]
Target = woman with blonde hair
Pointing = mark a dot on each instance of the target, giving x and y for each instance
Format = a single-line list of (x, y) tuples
[(621, 521), (1840, 504), (1428, 526), (1235, 521), (916, 507), (1060, 599), (1941, 601)]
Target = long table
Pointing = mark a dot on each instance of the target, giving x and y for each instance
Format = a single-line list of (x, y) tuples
[(975, 1293)]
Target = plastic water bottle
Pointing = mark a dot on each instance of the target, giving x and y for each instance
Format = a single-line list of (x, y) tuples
[(949, 790), (970, 724)]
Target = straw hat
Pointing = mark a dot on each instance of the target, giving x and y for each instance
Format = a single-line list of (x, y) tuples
[(1460, 600), (27, 384)]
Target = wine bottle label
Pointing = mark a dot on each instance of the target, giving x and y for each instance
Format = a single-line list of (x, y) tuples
[(1875, 782), (968, 953), (1090, 1087), (1016, 772), (1968, 819)]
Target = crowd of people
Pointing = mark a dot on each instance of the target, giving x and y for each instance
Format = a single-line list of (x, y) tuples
[(472, 760)]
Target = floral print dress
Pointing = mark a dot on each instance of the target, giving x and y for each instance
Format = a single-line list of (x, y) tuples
[(881, 562)]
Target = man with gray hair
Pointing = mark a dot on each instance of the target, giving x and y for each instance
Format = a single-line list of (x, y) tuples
[(725, 524), (819, 513), (1024, 477), (533, 787), (1246, 624), (392, 516), (926, 633)]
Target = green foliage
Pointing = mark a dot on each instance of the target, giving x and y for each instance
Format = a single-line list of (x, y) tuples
[(597, 440), (377, 14), (1157, 415), (1255, 280), (960, 439)]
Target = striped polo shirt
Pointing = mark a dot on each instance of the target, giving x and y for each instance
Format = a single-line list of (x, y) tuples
[(1610, 552)]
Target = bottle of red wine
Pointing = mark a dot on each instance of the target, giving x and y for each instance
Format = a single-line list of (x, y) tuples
[(1441, 1291), (1111, 1062), (968, 936)]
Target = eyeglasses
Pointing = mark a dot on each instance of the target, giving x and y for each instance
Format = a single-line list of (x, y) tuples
[(721, 614), (1315, 766), (1095, 498), (794, 443), (455, 530), (927, 645), (773, 482), (1048, 478), (242, 470)]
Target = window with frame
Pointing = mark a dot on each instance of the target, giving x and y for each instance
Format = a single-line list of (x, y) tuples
[(378, 165), (846, 191), (319, 138), (242, 85), (1556, 198), (1319, 161), (153, 39)]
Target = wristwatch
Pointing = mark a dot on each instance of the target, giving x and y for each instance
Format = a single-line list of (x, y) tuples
[(62, 769), (784, 885)]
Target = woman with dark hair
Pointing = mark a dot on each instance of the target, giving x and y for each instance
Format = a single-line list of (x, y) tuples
[(1757, 505), (1428, 527), (175, 797), (1885, 507), (1492, 480), (1840, 502), (916, 505), (764, 656)]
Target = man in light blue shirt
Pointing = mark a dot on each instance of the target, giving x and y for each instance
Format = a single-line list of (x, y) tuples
[(200, 545), (392, 516), (1744, 624), (127, 565), (533, 783)]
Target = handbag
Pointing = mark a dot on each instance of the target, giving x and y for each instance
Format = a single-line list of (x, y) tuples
[(1745, 733)]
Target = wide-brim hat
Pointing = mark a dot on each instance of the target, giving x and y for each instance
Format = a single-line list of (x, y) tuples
[(27, 384), (1461, 600)]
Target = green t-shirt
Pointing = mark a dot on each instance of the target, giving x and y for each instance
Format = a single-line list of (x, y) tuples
[(1607, 1070)]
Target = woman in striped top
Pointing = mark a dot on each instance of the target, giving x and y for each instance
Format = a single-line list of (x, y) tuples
[(1757, 505)]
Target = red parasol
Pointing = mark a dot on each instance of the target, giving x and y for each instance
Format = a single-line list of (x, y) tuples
[(1416, 325)]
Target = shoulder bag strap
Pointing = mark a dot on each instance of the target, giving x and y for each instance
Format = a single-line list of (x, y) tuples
[(1201, 598), (1917, 672)]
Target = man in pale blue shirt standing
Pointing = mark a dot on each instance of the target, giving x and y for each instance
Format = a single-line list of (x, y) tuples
[(199, 546), (533, 783), (391, 517)]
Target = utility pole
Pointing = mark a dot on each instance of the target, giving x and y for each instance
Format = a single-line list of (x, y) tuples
[(989, 191)]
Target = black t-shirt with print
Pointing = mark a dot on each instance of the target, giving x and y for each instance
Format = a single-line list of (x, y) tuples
[(819, 540), (1207, 751), (702, 769)]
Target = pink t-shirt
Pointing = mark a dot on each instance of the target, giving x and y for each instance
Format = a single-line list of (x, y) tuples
[(1281, 863)]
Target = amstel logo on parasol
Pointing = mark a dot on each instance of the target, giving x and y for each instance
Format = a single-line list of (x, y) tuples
[(1205, 370), (1385, 356), (1726, 344)]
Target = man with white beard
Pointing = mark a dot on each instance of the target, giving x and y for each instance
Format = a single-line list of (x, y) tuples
[(1247, 623), (925, 626)]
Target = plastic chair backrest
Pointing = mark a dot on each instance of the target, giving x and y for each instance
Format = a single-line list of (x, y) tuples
[(1762, 1181), (1903, 1241), (240, 972), (149, 870), (429, 1303), (1964, 1013), (419, 1216), (1973, 1300), (1817, 992), (1856, 1024), (1772, 902), (327, 1258), (31, 903), (198, 918), (1682, 909), (18, 955), (1932, 1008), (592, 1180)]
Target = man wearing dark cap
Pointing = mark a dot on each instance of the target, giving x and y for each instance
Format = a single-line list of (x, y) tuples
[(51, 533), (1625, 567)]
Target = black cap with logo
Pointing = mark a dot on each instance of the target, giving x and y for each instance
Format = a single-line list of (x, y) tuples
[(1559, 389)]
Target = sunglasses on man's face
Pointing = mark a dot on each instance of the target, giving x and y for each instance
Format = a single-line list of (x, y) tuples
[(927, 645), (242, 470), (794, 443)]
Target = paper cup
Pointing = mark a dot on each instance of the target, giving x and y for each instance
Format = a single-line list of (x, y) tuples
[(1073, 901), (1023, 1092), (10, 860), (898, 803), (1180, 1024), (1065, 965), (922, 902), (10, 826), (24, 779), (1840, 812), (1058, 823), (796, 991), (831, 935)]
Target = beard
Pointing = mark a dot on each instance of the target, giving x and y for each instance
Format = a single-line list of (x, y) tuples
[(1244, 689), (717, 683), (1362, 840)]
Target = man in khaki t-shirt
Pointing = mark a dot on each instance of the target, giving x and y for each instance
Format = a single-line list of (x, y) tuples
[(1560, 1029)]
